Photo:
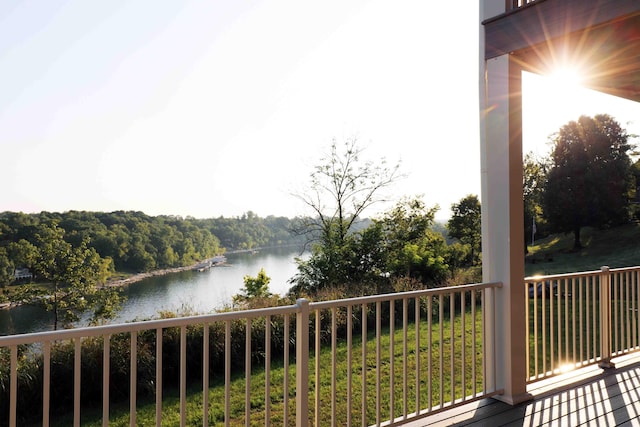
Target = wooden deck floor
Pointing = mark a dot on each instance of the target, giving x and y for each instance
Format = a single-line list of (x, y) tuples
[(589, 396)]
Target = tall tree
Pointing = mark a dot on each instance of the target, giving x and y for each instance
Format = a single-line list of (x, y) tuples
[(589, 181), (341, 188), (464, 224)]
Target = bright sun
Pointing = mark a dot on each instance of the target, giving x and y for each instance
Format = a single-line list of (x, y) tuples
[(565, 79), (549, 102)]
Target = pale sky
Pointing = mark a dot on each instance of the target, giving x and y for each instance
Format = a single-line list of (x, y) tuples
[(209, 108)]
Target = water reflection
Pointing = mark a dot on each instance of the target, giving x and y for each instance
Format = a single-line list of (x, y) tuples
[(188, 291)]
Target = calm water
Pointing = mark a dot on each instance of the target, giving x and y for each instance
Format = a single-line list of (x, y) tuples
[(202, 292)]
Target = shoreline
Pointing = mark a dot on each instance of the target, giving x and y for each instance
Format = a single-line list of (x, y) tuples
[(211, 262)]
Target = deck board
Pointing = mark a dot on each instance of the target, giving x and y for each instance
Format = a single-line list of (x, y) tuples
[(585, 397)]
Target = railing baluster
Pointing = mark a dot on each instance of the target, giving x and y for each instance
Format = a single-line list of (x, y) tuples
[(392, 356), (133, 379), (627, 311), (634, 313), (589, 325), (418, 353), (363, 408), (616, 321), (485, 316), (452, 340), (205, 375), (441, 346), (463, 357), (545, 329), (334, 333), (106, 357), (13, 387), (378, 359), (247, 374), (566, 321), (158, 377), (595, 314), (556, 295), (46, 383), (183, 376), (536, 330), (267, 371), (527, 330), (77, 375), (605, 319), (317, 367), (405, 353), (635, 284), (473, 344), (285, 386), (227, 373), (575, 331), (430, 353), (349, 361)]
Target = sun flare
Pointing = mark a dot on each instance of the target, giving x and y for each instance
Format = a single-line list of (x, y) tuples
[(565, 79), (550, 101)]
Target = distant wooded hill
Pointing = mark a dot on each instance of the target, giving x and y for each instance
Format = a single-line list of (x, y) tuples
[(139, 242)]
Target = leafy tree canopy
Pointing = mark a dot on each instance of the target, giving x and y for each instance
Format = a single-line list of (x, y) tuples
[(589, 177), (465, 225)]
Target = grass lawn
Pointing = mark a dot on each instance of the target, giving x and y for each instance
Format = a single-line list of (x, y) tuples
[(615, 247)]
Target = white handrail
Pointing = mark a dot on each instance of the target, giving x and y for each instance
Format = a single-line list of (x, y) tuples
[(412, 361)]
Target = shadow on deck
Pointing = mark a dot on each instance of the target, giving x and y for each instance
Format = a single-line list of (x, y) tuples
[(588, 396)]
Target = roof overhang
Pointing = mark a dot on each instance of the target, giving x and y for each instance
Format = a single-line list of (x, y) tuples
[(600, 38)]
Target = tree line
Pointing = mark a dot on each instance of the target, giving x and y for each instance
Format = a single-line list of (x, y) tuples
[(134, 241)]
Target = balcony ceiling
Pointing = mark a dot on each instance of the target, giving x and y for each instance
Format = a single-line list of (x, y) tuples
[(599, 38)]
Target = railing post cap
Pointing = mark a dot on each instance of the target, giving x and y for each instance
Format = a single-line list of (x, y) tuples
[(302, 302), (604, 268)]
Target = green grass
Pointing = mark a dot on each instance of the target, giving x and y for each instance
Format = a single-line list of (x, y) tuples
[(614, 247), (429, 384)]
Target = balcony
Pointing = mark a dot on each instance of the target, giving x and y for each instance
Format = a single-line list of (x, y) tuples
[(420, 358), (334, 362)]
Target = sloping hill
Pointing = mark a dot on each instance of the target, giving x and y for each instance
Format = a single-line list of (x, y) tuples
[(615, 247)]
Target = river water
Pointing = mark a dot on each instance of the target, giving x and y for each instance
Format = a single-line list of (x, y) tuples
[(185, 292)]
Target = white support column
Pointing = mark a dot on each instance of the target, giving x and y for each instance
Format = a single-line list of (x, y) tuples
[(502, 214)]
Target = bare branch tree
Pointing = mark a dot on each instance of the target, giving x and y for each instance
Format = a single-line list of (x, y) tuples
[(342, 187)]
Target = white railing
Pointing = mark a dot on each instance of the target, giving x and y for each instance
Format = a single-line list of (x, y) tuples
[(581, 319), (383, 359)]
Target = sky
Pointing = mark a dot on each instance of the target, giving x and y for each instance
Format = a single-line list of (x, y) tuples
[(217, 108)]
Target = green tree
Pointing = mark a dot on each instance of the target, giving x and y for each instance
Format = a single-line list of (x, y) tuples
[(254, 287), (465, 226), (534, 178), (589, 178), (74, 273), (7, 269), (341, 188), (413, 249)]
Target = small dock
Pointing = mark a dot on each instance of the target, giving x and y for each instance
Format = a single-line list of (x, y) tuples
[(211, 262)]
